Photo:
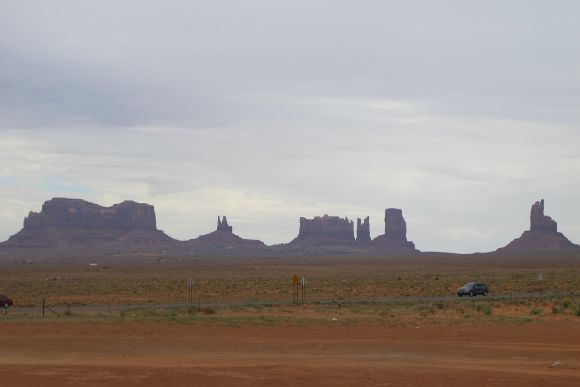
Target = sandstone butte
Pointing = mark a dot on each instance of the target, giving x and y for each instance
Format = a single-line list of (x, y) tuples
[(335, 232), (223, 238), (75, 222), (363, 231), (543, 235), (64, 223), (395, 237), (324, 231)]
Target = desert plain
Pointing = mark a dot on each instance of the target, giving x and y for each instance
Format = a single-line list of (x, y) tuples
[(373, 321)]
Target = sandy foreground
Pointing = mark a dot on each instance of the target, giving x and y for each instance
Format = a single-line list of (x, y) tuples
[(153, 354)]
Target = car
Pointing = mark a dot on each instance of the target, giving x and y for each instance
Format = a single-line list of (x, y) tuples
[(5, 301), (472, 289)]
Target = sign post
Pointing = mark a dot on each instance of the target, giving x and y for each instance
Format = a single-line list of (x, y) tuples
[(295, 283), (540, 280), (303, 283), (190, 291)]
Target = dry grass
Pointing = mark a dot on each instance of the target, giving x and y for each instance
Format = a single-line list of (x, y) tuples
[(263, 281)]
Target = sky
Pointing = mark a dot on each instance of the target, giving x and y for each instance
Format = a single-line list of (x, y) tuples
[(461, 113)]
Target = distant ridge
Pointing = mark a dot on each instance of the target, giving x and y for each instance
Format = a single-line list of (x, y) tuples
[(76, 226)]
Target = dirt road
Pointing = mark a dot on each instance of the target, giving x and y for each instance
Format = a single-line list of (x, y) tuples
[(153, 354)]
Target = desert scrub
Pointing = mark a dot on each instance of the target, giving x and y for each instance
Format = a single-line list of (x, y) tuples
[(555, 309), (484, 308), (536, 311), (566, 302)]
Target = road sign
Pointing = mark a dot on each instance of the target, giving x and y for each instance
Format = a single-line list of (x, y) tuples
[(295, 280), (303, 281), (541, 277)]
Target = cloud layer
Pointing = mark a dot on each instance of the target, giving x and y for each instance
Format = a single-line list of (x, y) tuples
[(461, 113)]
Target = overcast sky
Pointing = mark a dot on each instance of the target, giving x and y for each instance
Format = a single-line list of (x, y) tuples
[(462, 113)]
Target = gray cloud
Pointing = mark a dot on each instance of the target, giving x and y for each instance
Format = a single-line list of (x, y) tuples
[(462, 113)]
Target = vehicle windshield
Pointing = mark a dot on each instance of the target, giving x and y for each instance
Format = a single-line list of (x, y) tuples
[(469, 285)]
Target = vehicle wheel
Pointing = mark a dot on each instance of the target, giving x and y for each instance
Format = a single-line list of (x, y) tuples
[(460, 295), (485, 293), (471, 294), (6, 306)]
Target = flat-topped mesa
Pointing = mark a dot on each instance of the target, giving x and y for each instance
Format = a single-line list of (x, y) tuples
[(69, 222), (394, 240), (363, 230), (539, 221), (80, 214), (543, 235), (325, 230), (222, 225)]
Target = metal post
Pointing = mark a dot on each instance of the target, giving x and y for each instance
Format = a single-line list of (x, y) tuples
[(303, 283), (43, 305), (189, 291)]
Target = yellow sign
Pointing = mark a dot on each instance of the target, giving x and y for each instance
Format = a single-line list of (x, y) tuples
[(295, 280)]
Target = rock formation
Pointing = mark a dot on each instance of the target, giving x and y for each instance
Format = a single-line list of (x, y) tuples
[(224, 238), (222, 225), (363, 231), (72, 222), (395, 237), (395, 225), (323, 231), (543, 235), (540, 222)]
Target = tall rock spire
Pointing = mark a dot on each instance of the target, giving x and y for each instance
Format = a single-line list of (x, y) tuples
[(363, 230)]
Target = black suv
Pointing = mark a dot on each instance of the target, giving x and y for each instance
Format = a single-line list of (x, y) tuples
[(472, 289), (5, 301)]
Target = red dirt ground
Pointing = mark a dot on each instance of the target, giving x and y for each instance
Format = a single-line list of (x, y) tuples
[(153, 354)]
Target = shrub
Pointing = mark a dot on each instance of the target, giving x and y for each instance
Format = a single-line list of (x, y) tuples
[(536, 311), (555, 309), (485, 309), (566, 302)]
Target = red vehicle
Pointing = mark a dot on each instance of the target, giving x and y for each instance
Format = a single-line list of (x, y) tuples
[(5, 301)]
